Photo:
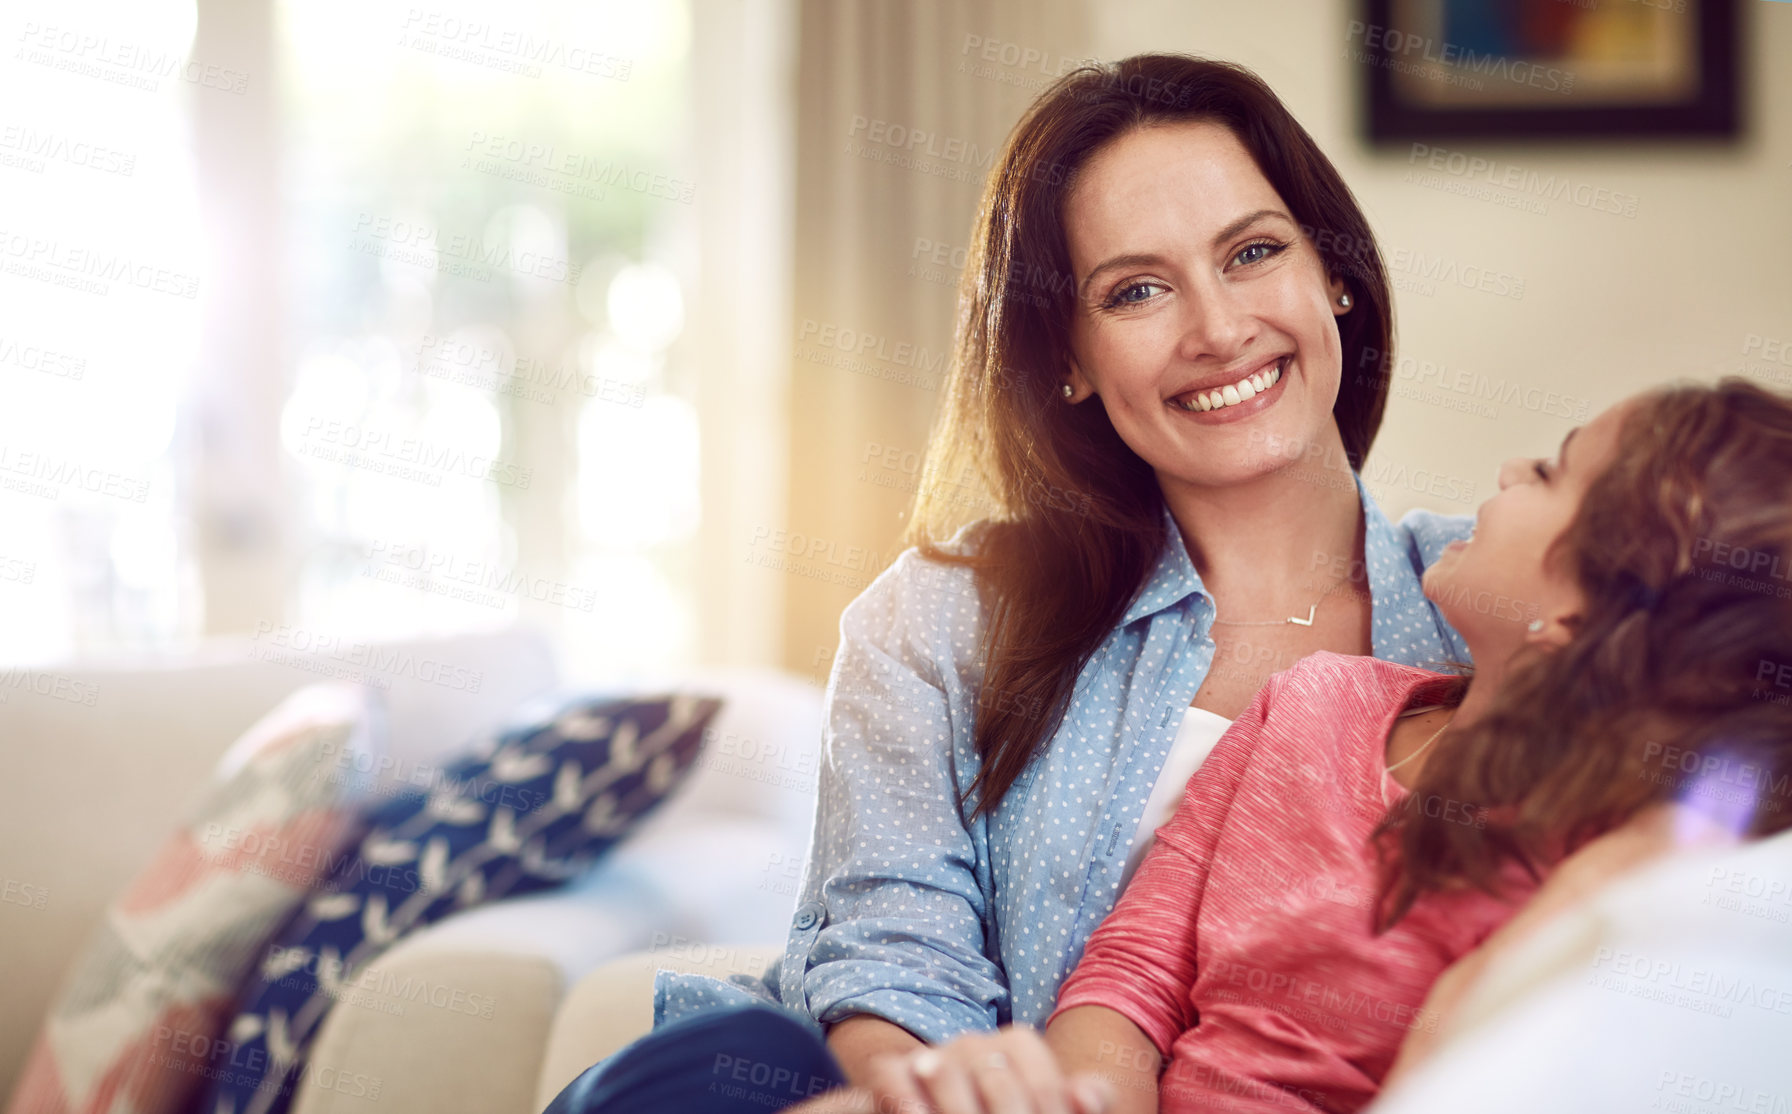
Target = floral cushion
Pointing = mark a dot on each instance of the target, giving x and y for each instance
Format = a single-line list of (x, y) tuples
[(132, 1029)]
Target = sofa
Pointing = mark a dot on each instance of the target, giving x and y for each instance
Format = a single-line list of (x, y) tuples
[(103, 758)]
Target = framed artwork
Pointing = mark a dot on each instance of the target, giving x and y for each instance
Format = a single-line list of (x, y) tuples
[(1538, 69)]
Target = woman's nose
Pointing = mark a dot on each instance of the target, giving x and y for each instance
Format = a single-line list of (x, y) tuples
[(1511, 470), (1214, 325)]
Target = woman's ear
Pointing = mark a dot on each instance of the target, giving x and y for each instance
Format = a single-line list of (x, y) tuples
[(1340, 295), (1080, 387)]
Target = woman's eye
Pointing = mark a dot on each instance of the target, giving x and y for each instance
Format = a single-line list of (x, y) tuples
[(1133, 293), (1258, 252), (1541, 469)]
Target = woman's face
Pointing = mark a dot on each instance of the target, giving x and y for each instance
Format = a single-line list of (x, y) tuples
[(1194, 278), (1493, 585)]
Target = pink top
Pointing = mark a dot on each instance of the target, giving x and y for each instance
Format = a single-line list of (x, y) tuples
[(1243, 947)]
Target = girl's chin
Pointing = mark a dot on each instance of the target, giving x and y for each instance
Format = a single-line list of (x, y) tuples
[(1448, 558), (1435, 583)]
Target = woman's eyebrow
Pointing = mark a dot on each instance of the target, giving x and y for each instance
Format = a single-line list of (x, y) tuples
[(1143, 259), (1245, 222)]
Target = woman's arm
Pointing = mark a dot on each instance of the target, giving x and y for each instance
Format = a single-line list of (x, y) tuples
[(1141, 959), (897, 918), (859, 1039)]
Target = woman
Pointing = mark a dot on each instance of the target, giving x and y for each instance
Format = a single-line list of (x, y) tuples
[(1170, 363)]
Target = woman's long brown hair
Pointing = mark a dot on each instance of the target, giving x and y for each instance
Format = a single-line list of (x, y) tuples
[(1676, 683), (1077, 516)]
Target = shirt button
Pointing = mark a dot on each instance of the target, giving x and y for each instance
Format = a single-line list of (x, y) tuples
[(809, 914)]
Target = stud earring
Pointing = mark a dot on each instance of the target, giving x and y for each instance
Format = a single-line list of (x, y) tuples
[(1068, 390), (1344, 300), (1537, 626)]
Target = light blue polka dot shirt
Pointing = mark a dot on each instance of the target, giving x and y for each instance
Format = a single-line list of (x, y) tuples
[(908, 912)]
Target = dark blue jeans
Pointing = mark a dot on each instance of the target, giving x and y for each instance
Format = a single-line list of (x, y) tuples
[(721, 1061)]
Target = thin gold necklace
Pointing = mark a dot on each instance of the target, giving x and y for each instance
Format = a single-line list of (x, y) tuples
[(1295, 619), (1384, 781)]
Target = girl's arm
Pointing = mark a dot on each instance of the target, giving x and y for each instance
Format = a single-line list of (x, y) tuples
[(1095, 1040), (1140, 963)]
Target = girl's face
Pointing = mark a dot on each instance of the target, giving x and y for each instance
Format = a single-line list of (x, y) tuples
[(1195, 280), (1493, 585)]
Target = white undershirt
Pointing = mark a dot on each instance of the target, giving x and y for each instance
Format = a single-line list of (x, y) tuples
[(1200, 729), (1195, 738)]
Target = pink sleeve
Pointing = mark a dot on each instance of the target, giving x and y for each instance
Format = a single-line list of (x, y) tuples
[(1141, 961)]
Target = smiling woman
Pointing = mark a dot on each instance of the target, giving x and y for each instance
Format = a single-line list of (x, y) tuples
[(1164, 284), (1221, 279)]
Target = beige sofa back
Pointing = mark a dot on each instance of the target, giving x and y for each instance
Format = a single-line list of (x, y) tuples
[(101, 759)]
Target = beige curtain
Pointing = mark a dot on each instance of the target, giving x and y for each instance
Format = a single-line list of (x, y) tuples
[(901, 105)]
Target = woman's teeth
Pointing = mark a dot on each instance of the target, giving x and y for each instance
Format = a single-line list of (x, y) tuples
[(1242, 391)]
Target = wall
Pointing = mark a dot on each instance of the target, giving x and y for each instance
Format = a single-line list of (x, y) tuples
[(1609, 304)]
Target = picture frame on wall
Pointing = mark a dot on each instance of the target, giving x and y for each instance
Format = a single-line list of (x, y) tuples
[(1548, 69)]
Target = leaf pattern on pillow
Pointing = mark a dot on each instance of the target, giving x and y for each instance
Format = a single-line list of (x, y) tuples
[(531, 809)]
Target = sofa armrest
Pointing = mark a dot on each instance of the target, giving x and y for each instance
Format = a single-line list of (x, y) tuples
[(613, 1006), (456, 1018)]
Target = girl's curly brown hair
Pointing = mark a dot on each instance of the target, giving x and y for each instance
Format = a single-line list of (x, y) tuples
[(1677, 681)]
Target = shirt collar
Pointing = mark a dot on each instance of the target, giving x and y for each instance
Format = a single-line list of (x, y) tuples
[(1173, 579)]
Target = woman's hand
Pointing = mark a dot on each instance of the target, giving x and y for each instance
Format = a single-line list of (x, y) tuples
[(1010, 1071)]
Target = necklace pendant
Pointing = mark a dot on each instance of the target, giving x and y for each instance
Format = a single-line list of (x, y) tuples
[(1308, 621)]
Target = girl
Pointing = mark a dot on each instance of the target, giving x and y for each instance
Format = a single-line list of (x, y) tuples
[(1364, 824)]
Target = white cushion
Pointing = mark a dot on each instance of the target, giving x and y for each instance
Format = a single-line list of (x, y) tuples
[(1671, 990)]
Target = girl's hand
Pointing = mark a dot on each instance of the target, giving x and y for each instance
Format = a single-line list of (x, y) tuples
[(1010, 1071)]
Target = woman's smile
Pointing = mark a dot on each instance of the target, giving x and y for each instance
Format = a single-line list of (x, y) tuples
[(1235, 402)]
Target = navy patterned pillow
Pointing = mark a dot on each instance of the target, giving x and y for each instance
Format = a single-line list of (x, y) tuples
[(531, 809)]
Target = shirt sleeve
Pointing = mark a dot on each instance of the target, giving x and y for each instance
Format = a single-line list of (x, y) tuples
[(892, 879), (1426, 533), (1141, 961), (1429, 532)]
